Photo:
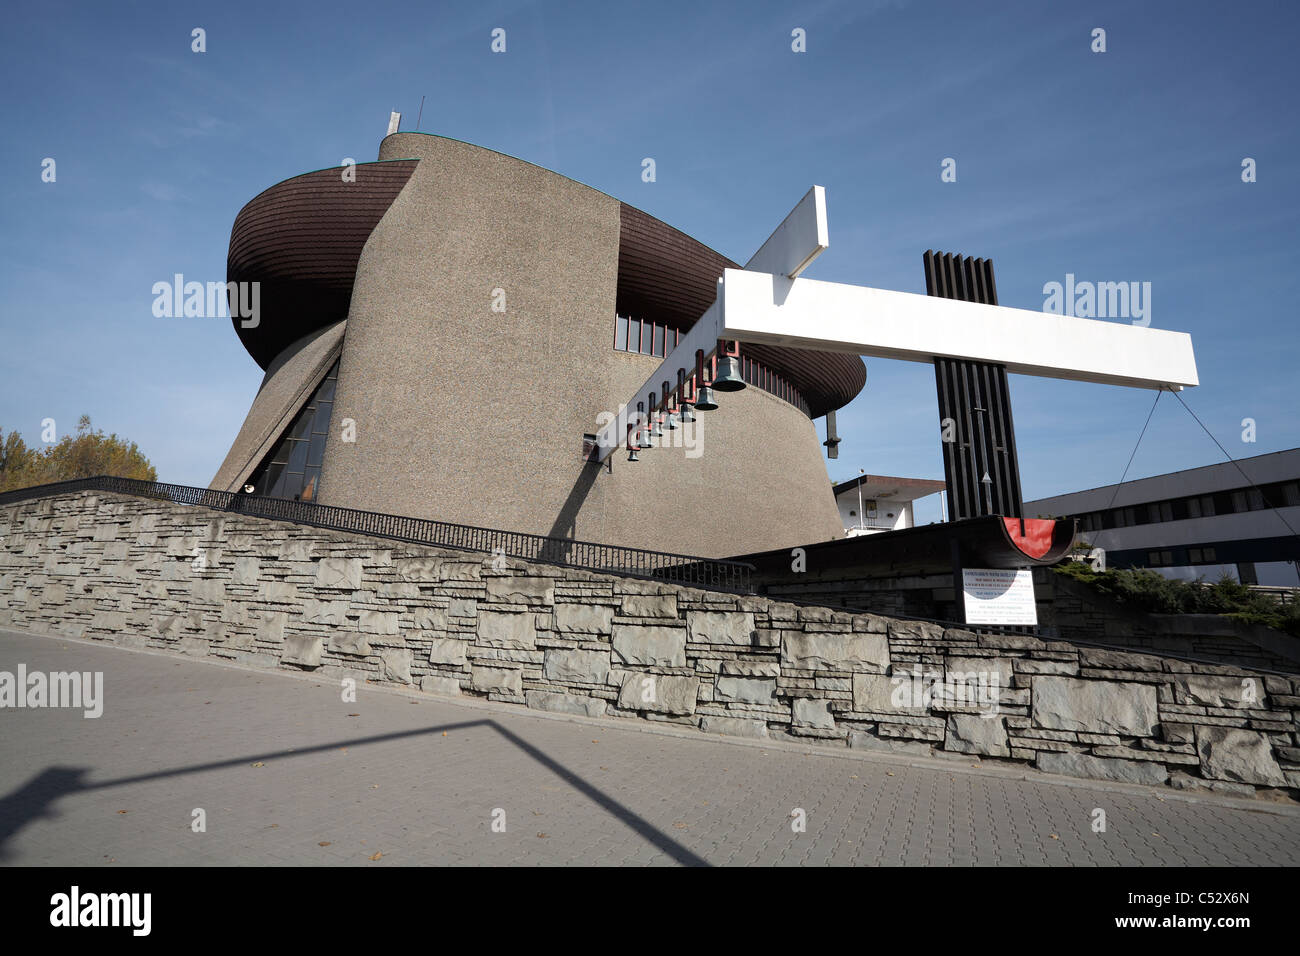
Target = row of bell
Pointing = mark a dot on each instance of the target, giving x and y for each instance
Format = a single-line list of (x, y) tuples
[(728, 380)]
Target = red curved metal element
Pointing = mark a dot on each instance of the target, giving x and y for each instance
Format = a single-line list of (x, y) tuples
[(302, 239), (665, 275), (1037, 539)]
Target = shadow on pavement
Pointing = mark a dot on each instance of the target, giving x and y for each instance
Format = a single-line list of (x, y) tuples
[(35, 799)]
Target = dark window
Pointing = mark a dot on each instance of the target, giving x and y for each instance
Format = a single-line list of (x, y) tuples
[(292, 469), (1160, 511), (1291, 493)]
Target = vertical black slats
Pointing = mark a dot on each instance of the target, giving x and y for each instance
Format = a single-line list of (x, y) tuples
[(976, 396)]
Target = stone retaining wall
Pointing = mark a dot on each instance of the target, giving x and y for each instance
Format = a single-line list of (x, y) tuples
[(152, 574)]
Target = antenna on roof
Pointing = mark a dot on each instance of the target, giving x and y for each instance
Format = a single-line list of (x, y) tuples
[(419, 116), (394, 120)]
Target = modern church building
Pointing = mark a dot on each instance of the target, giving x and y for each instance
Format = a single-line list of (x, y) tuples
[(439, 329)]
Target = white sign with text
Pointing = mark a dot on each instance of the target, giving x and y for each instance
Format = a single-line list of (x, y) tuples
[(999, 597)]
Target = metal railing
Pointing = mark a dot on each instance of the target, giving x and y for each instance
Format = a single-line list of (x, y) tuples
[(711, 573)]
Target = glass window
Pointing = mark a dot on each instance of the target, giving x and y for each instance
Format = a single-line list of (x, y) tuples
[(659, 340), (1291, 493), (1255, 499), (1239, 503), (316, 451), (1160, 511), (292, 468), (620, 332)]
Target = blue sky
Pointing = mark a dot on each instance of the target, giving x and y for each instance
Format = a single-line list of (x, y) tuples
[(1119, 166)]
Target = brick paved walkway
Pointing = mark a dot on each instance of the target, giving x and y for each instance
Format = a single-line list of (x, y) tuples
[(288, 773)]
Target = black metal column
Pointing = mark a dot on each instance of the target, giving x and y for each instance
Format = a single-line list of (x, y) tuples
[(979, 438)]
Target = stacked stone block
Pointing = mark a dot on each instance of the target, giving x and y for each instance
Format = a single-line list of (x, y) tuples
[(148, 573)]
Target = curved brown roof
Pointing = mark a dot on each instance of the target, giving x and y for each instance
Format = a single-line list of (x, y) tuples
[(666, 275), (302, 239)]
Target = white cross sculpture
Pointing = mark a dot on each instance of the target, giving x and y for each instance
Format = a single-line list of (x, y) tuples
[(767, 303)]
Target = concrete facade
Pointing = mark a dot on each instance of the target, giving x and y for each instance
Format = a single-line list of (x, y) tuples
[(475, 416)]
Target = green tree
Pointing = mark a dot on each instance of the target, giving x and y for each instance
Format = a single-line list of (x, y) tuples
[(84, 455)]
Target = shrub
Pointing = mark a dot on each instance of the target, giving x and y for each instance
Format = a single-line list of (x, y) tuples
[(1146, 590)]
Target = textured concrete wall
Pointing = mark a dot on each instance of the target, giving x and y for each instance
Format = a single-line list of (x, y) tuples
[(472, 416), (271, 594)]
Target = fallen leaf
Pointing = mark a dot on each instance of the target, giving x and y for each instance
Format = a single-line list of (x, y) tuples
[(354, 715), (258, 764), (325, 843), (680, 826), (123, 811), (1054, 836), (377, 855), (543, 836), (889, 773)]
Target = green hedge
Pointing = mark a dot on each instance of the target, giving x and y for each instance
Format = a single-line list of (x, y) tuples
[(1145, 589)]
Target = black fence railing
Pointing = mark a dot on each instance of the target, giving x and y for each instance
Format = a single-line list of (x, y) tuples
[(710, 573)]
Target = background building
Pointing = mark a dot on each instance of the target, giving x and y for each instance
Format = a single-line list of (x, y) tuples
[(441, 329), (870, 504), (1202, 522)]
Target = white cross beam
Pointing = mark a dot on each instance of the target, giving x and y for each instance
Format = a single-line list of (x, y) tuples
[(767, 303)]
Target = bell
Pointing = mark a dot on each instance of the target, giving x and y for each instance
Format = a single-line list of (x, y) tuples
[(685, 414), (631, 455), (728, 378), (704, 401)]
